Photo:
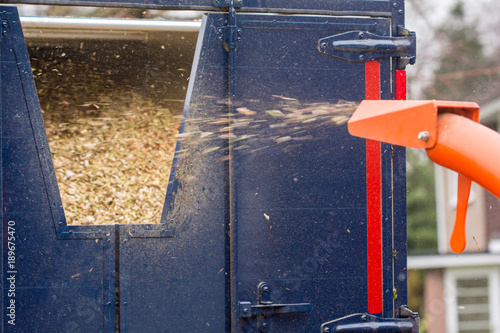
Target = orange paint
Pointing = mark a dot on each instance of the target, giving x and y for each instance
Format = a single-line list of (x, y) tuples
[(455, 141)]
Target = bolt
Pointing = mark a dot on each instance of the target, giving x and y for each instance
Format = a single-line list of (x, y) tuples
[(326, 330), (361, 35), (424, 136)]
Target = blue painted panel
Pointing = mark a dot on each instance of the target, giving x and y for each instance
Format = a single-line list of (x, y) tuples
[(300, 180), (55, 285), (180, 283)]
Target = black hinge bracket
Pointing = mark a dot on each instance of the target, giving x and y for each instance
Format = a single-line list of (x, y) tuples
[(229, 36), (266, 308), (364, 322), (228, 3), (361, 46)]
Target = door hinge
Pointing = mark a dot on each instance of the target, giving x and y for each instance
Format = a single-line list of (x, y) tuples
[(229, 36), (266, 308), (361, 46), (408, 322)]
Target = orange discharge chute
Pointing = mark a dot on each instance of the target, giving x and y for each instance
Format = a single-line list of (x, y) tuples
[(451, 135)]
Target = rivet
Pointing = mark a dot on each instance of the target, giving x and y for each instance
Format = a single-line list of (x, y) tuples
[(265, 289), (245, 310), (109, 303), (323, 45), (125, 303), (361, 57), (361, 34), (395, 5), (60, 223), (424, 136), (326, 330), (71, 231), (400, 12), (264, 324), (363, 318)]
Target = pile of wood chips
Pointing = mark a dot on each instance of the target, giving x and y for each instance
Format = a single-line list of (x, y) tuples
[(112, 143)]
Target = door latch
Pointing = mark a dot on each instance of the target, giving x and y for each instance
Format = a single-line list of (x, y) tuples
[(266, 308), (364, 322), (361, 46)]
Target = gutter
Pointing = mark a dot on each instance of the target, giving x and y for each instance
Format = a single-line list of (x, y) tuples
[(453, 261)]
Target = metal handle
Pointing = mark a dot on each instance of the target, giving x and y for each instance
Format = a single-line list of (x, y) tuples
[(248, 310)]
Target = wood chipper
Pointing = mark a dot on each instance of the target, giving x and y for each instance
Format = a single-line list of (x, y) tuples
[(275, 219)]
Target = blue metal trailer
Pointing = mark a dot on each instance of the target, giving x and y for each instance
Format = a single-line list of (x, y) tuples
[(287, 224)]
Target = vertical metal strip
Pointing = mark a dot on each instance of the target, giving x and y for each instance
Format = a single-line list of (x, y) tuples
[(233, 220), (374, 199), (399, 286)]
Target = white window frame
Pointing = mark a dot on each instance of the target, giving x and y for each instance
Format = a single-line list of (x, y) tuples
[(450, 291)]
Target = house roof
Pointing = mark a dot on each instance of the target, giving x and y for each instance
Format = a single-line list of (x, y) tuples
[(453, 260)]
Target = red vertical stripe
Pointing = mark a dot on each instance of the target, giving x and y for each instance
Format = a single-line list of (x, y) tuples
[(373, 199), (401, 85)]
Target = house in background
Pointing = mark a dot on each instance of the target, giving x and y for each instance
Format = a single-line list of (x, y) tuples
[(462, 292)]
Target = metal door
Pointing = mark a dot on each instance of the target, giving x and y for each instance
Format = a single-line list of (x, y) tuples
[(275, 218)]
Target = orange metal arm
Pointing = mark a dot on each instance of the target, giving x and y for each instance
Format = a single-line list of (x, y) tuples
[(451, 136)]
